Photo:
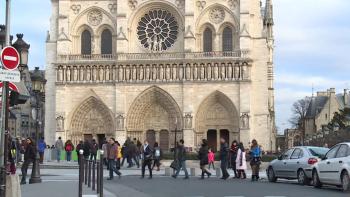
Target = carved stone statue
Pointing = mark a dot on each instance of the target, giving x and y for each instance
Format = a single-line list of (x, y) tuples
[(68, 73), (195, 72), (229, 71), (75, 74), (60, 74), (188, 71), (202, 76), (141, 73), (216, 72), (188, 121), (60, 123), (121, 73), (154, 72), (167, 72), (101, 73), (88, 73), (134, 73), (127, 73), (147, 73), (181, 72), (81, 73), (161, 72), (174, 73), (209, 70), (120, 122), (94, 73), (245, 121), (237, 71), (107, 74), (223, 72)]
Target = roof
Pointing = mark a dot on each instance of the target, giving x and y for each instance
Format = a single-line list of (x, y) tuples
[(316, 105), (340, 99)]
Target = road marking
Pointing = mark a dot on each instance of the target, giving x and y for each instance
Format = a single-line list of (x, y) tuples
[(10, 58)]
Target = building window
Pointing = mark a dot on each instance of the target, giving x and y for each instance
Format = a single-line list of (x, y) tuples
[(326, 116), (86, 43), (227, 41), (106, 42), (207, 40)]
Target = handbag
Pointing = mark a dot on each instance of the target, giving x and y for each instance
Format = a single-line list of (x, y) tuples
[(175, 165)]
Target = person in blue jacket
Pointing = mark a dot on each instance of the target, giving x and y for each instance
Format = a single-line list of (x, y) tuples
[(255, 160), (41, 149)]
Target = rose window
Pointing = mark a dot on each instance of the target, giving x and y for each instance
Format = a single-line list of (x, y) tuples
[(157, 30)]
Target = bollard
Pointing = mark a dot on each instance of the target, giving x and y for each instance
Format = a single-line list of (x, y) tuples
[(81, 173), (86, 170), (101, 173), (93, 175), (193, 171), (98, 176), (218, 172), (89, 173), (167, 171)]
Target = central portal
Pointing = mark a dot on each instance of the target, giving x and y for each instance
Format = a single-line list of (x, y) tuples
[(152, 115)]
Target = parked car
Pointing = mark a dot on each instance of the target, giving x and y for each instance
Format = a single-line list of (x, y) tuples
[(334, 169), (295, 163)]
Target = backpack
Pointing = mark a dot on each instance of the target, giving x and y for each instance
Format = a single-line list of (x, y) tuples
[(69, 147), (157, 153)]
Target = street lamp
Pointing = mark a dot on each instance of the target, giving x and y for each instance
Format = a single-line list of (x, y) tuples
[(22, 48), (38, 87)]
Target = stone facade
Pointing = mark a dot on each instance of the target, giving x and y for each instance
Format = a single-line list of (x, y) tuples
[(322, 109), (163, 73)]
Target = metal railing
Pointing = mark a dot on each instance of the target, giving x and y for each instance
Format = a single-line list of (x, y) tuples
[(154, 56), (90, 174)]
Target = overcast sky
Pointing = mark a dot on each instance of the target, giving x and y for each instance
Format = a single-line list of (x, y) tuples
[(312, 45)]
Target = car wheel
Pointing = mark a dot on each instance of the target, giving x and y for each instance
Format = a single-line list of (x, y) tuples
[(271, 175), (316, 180), (302, 178), (345, 180)]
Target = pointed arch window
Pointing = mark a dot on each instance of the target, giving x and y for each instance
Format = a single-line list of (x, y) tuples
[(106, 42), (207, 40), (227, 39), (86, 42)]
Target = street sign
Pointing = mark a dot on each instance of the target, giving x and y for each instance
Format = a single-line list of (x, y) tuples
[(10, 75), (10, 58), (12, 86)]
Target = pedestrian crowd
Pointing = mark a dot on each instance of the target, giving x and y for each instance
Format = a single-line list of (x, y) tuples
[(135, 153)]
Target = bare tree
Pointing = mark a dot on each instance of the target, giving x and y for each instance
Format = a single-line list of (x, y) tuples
[(299, 110)]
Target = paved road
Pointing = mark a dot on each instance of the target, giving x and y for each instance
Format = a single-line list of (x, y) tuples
[(213, 187), (63, 182)]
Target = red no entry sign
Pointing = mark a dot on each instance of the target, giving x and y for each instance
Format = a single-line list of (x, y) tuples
[(10, 58), (12, 86)]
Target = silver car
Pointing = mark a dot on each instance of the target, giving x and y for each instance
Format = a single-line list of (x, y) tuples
[(296, 163)]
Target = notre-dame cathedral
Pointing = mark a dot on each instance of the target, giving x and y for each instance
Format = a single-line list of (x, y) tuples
[(153, 69)]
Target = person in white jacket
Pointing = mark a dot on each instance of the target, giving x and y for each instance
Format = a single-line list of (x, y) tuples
[(241, 162)]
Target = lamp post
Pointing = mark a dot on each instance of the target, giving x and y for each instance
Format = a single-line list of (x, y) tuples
[(22, 47), (38, 87)]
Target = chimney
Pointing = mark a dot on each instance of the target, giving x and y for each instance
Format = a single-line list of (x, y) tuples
[(346, 97), (331, 92), (321, 93)]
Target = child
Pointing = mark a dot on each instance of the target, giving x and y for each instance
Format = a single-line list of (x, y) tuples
[(211, 158)]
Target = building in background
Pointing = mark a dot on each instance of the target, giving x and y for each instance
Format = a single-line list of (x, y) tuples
[(146, 69), (322, 108)]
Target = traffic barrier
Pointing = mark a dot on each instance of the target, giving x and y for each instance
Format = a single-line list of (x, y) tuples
[(193, 171), (218, 172)]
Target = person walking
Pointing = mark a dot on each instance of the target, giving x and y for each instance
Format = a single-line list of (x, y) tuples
[(104, 148), (18, 150), (211, 158), (233, 157), (224, 158), (147, 156), (69, 147), (41, 150), (241, 162), (157, 152), (93, 150), (112, 150), (132, 155), (125, 152), (29, 157), (79, 147), (87, 149), (181, 158), (203, 158), (255, 160), (119, 155), (59, 147)]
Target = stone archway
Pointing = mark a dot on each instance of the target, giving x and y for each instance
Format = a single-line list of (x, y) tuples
[(155, 110), (217, 114), (91, 117)]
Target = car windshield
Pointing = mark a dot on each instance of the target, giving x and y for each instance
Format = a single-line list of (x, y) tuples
[(318, 151)]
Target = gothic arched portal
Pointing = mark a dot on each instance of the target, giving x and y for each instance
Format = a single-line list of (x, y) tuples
[(217, 117), (91, 118), (154, 110)]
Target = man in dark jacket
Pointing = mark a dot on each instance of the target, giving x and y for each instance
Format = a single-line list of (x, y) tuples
[(147, 154), (181, 158), (29, 157), (224, 158), (93, 150), (112, 156), (132, 155), (86, 149)]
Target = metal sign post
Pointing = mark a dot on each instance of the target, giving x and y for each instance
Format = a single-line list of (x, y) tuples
[(3, 121)]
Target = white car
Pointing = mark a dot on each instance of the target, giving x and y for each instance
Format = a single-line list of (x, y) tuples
[(334, 168)]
